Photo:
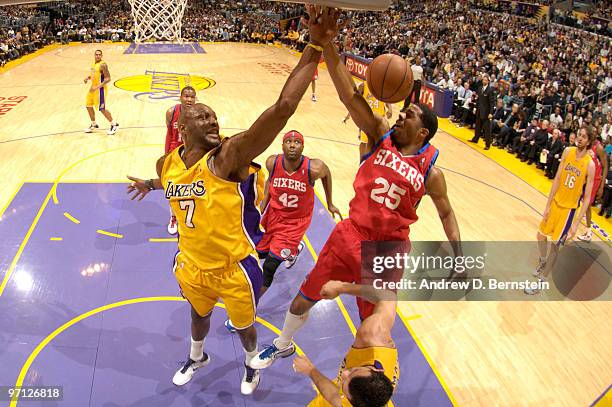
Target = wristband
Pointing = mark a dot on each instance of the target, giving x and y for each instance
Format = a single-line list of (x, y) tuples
[(149, 184), (315, 47)]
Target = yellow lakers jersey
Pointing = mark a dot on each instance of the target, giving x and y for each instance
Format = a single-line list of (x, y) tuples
[(378, 356), (573, 179), (377, 106), (97, 77), (218, 220)]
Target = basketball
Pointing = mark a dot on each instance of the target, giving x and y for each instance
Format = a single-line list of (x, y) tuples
[(389, 78)]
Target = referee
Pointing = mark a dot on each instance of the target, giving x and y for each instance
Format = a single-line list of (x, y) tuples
[(417, 75)]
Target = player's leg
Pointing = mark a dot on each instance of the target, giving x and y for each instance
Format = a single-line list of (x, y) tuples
[(543, 251), (102, 101), (90, 102), (114, 126), (313, 85), (587, 236), (202, 300), (92, 114), (342, 246), (557, 226), (240, 293), (270, 266), (200, 325)]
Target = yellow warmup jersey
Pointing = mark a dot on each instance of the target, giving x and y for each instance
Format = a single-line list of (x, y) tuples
[(218, 220), (96, 75), (377, 106), (573, 179), (374, 356)]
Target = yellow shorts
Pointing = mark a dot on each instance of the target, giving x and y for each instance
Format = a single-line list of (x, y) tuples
[(238, 286), (558, 223), (97, 99)]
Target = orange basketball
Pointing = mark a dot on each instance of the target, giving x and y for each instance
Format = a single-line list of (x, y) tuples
[(389, 78)]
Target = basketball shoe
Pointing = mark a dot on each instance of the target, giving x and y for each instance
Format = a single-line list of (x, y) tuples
[(113, 129), (266, 357), (250, 380), (184, 375), (91, 128), (291, 261)]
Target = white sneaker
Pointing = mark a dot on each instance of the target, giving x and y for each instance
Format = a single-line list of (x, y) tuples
[(113, 129), (291, 261), (184, 375), (91, 128), (173, 226), (250, 380), (314, 97), (266, 357), (586, 236)]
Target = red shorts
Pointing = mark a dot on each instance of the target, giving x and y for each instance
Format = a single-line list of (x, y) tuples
[(316, 75), (340, 260), (283, 235), (596, 185)]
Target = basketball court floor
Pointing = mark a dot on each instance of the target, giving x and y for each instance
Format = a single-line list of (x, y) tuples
[(88, 300)]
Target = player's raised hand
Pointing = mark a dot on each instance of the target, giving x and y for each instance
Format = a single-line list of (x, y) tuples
[(322, 24), (303, 365), (137, 188), (334, 211), (331, 289)]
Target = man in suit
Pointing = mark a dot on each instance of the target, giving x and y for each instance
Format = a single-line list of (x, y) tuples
[(484, 112), (499, 116)]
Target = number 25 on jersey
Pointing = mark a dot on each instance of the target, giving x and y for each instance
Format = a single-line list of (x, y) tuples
[(387, 194)]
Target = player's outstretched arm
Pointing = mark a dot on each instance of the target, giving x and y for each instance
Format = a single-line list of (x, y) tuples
[(241, 149), (327, 388), (371, 124), (139, 188), (320, 170), (436, 189), (375, 330)]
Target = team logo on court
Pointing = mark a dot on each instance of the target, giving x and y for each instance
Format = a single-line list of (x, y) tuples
[(162, 86)]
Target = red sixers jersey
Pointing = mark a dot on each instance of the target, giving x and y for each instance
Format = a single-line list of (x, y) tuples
[(173, 137), (292, 195), (595, 157), (388, 188)]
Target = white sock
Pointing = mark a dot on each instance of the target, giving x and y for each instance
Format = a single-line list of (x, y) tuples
[(292, 324), (197, 350), (250, 355), (94, 123), (113, 123)]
